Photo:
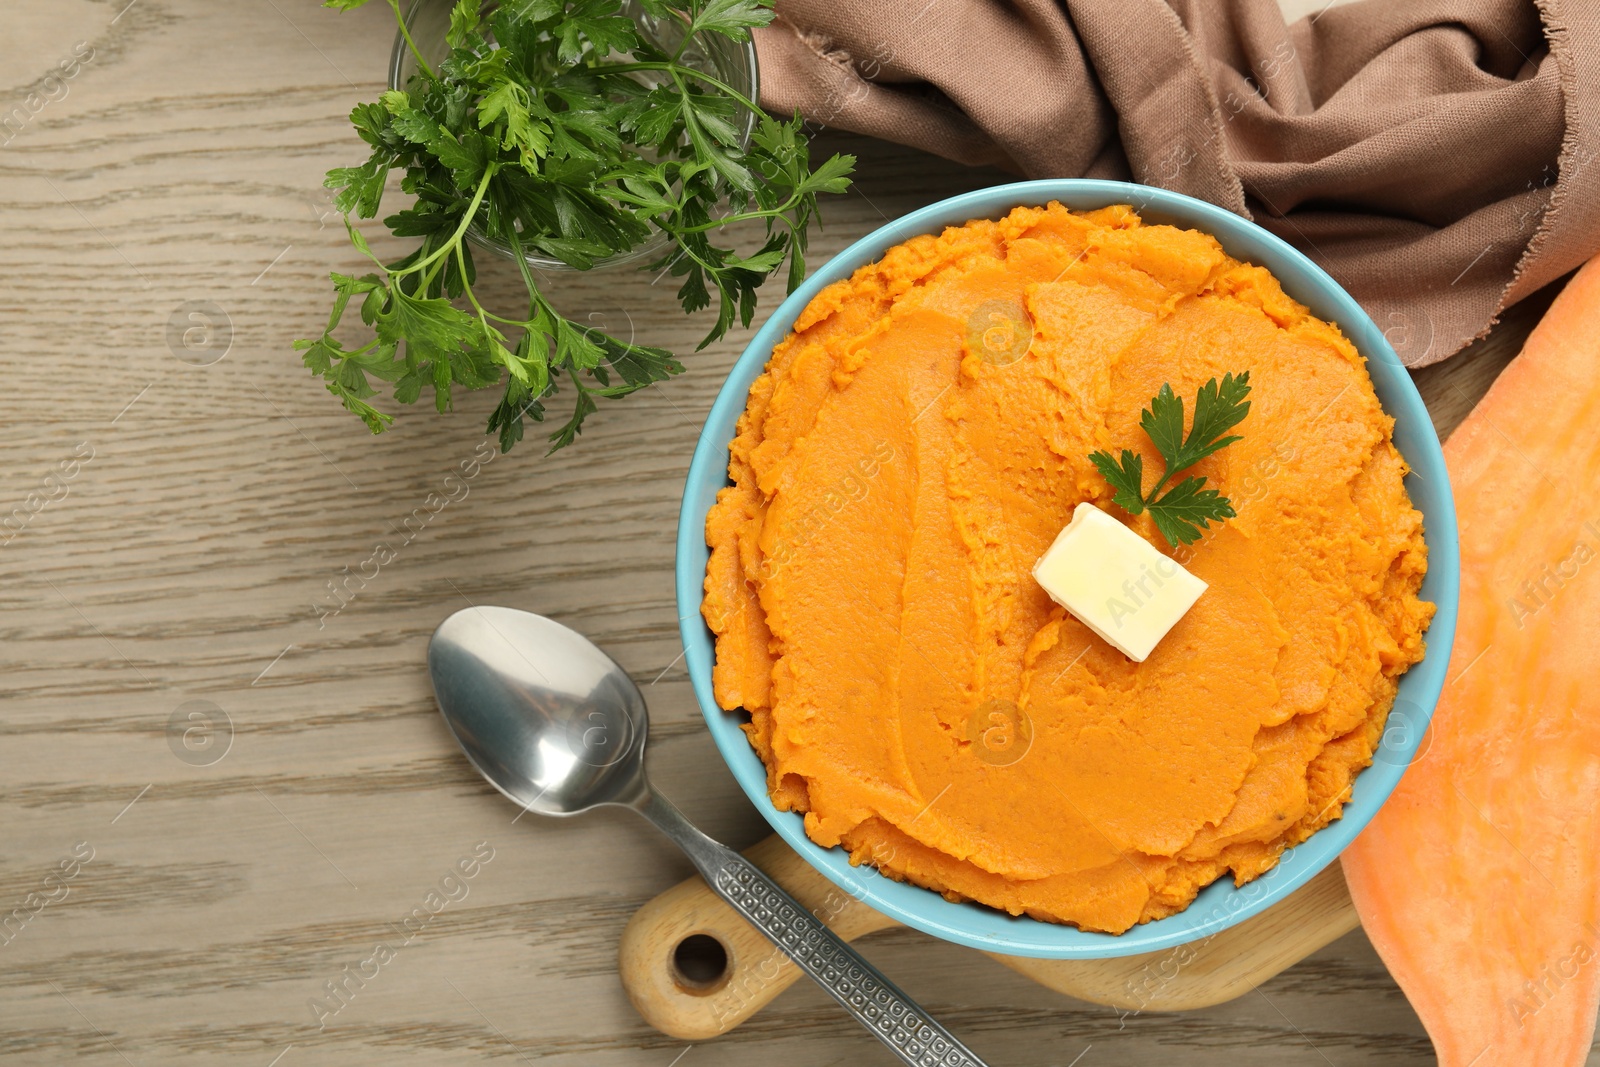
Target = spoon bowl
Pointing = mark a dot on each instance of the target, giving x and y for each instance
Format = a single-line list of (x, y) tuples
[(547, 717), (556, 725)]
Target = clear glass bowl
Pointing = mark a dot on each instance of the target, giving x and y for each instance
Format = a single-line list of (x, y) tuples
[(728, 61)]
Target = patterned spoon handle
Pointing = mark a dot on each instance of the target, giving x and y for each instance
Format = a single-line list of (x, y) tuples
[(863, 991)]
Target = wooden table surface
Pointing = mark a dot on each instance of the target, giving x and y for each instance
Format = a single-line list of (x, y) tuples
[(174, 523)]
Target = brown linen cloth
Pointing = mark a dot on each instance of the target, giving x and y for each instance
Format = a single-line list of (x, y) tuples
[(1437, 157)]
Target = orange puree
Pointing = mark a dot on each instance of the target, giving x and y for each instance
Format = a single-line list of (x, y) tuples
[(917, 443)]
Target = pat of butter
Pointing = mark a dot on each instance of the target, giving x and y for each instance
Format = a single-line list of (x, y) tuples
[(1115, 582)]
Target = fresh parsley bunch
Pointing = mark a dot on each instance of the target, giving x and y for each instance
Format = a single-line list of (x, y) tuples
[(1188, 507), (536, 131)]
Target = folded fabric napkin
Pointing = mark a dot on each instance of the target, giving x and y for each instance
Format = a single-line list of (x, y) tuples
[(1437, 157)]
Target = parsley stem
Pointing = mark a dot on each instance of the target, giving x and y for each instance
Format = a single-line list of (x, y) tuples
[(522, 265), (483, 313), (425, 286), (707, 267), (405, 31), (742, 216), (679, 68), (687, 22), (455, 238), (688, 35), (461, 261), (1166, 476)]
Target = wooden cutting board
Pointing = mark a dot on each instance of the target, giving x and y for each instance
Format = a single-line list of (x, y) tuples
[(694, 969)]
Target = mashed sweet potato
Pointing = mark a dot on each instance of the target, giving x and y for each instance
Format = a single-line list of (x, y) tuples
[(914, 446)]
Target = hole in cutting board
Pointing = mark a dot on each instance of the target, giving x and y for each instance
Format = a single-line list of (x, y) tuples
[(700, 964)]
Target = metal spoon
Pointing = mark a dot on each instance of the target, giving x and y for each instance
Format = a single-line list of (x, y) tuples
[(553, 723)]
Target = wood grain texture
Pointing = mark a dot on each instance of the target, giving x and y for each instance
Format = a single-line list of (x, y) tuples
[(181, 561)]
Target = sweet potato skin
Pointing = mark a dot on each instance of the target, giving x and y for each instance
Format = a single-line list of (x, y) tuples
[(1479, 881)]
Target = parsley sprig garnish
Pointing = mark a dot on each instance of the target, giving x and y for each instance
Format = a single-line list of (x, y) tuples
[(1188, 507), (554, 126)]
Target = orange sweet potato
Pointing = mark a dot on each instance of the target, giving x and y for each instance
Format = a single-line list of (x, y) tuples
[(1479, 881)]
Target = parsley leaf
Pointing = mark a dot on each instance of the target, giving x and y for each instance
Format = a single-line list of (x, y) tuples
[(728, 17), (1183, 511), (360, 188), (1217, 409), (575, 135), (1126, 476), (1186, 509), (464, 18)]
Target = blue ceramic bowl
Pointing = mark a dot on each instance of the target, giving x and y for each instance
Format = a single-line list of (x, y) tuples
[(1220, 905)]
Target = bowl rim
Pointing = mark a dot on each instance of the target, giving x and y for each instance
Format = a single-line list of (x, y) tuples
[(1219, 905)]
